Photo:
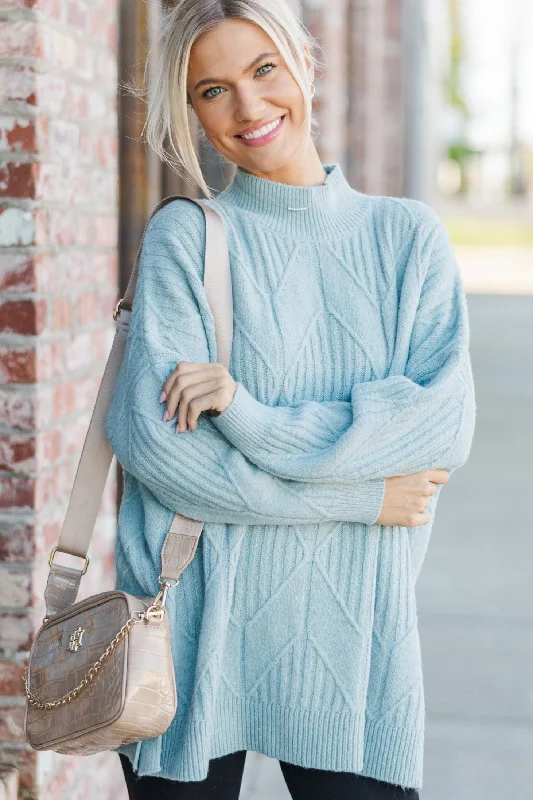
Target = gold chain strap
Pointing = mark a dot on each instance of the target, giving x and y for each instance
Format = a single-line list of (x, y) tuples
[(155, 611)]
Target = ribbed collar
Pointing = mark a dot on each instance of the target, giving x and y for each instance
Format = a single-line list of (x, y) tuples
[(326, 209)]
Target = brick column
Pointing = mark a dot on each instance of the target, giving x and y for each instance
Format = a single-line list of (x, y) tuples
[(327, 20), (58, 278), (360, 100), (377, 113)]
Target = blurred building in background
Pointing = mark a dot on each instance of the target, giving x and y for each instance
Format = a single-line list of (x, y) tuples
[(400, 105)]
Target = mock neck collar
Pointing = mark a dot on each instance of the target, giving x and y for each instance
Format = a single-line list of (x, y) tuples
[(318, 210)]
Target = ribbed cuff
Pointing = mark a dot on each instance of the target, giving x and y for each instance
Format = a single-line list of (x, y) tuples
[(358, 502), (245, 421)]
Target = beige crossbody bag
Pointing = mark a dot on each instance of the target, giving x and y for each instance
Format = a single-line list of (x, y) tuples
[(100, 671)]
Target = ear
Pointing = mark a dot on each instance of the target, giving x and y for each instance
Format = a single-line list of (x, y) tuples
[(309, 63)]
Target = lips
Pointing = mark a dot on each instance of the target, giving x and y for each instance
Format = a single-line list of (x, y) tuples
[(254, 128)]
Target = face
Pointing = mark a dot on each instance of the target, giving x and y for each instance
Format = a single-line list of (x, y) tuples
[(237, 81)]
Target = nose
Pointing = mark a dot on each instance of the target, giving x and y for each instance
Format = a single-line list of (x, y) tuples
[(249, 105)]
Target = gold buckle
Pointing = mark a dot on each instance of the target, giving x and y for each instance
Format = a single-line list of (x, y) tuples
[(52, 554), (116, 312)]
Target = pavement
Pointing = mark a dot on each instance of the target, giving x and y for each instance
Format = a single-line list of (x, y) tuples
[(474, 595)]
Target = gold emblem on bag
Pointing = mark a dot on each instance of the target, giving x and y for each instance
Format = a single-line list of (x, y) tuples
[(75, 639)]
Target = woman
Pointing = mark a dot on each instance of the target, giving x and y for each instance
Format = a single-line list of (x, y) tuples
[(348, 403)]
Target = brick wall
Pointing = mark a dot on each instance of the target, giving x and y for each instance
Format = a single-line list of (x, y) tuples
[(58, 278)]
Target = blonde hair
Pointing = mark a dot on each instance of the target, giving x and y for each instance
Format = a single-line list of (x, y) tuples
[(164, 86)]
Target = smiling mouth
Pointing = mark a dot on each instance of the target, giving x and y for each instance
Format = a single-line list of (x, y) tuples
[(257, 134)]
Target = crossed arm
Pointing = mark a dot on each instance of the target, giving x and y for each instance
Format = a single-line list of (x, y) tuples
[(256, 464)]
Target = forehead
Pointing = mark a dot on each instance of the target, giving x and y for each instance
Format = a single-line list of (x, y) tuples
[(228, 48)]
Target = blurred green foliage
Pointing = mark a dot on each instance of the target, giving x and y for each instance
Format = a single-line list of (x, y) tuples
[(466, 230)]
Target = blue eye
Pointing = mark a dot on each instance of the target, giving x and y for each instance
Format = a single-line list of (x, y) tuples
[(212, 88)]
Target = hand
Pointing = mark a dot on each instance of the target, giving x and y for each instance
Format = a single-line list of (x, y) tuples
[(195, 388), (406, 497)]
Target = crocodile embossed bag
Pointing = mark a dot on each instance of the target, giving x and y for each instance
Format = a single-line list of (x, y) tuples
[(100, 671)]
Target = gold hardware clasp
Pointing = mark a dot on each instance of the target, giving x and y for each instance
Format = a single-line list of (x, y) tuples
[(74, 643), (161, 596), (51, 558), (116, 312)]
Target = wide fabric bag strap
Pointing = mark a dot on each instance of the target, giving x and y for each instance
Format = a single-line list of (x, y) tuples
[(182, 538)]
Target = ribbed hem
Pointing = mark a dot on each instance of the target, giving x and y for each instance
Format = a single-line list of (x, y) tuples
[(394, 755), (247, 423), (334, 742), (309, 739)]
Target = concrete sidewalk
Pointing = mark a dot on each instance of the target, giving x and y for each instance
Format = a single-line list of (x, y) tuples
[(474, 593)]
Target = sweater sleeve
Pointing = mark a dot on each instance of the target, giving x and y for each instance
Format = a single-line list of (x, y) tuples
[(200, 473), (422, 417)]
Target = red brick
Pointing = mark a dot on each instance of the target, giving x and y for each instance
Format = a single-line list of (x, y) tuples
[(67, 229), (17, 492), (17, 409), (18, 180), (49, 447), (22, 316), (51, 359), (50, 271), (18, 135), (17, 542), (17, 366), (61, 313), (17, 273), (11, 679), (17, 452), (64, 399)]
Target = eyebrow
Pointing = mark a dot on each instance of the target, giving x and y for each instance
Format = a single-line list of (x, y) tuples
[(221, 80)]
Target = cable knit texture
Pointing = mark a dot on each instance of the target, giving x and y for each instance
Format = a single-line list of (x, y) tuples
[(295, 626)]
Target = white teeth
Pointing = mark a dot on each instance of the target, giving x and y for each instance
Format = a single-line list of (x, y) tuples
[(262, 131)]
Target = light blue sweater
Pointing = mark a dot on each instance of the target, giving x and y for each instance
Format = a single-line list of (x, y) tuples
[(295, 626)]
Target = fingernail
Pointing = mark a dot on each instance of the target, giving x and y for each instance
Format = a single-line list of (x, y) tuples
[(165, 416), (162, 396)]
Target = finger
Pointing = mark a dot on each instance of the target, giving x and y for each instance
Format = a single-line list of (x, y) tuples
[(438, 475), (192, 402), (182, 368), (420, 519), (180, 383), (206, 402)]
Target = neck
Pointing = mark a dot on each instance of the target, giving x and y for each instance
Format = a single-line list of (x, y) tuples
[(305, 170)]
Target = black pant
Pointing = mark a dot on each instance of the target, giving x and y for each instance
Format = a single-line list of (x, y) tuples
[(223, 782)]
